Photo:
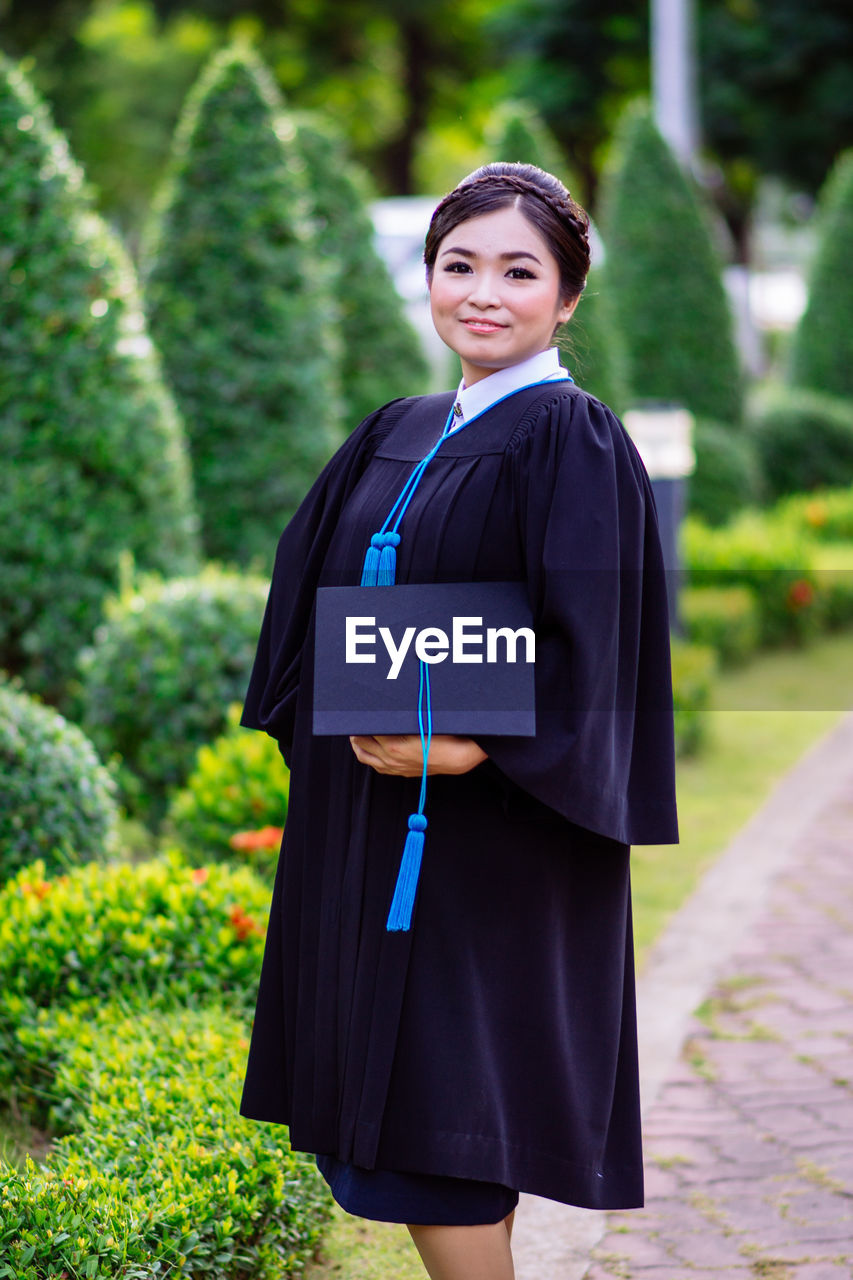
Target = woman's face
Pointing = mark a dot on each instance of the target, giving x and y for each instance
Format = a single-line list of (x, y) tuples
[(495, 293)]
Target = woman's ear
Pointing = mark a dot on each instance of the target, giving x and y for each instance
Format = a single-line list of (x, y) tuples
[(567, 310)]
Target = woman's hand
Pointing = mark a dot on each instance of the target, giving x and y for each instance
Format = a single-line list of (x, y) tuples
[(400, 754)]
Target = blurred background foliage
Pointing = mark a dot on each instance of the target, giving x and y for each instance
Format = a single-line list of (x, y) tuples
[(414, 84)]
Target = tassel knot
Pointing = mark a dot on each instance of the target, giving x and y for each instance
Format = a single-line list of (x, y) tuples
[(417, 822), (386, 574)]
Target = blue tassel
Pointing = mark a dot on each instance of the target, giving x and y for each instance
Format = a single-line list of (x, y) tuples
[(387, 574), (370, 570), (400, 915)]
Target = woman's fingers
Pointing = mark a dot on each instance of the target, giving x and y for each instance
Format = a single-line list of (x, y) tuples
[(397, 753)]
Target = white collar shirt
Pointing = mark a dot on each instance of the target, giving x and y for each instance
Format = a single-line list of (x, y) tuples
[(473, 400)]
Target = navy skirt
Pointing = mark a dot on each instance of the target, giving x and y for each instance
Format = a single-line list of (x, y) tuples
[(424, 1199)]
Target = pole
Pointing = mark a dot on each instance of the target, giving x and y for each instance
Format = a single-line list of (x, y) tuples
[(674, 83)]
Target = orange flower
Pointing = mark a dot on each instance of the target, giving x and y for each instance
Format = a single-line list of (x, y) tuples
[(816, 514), (800, 594), (266, 838), (242, 924), (200, 875), (41, 888)]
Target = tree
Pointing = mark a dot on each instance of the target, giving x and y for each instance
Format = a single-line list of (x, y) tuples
[(577, 62), (664, 278), (239, 307), (381, 353), (516, 132), (761, 63), (822, 348), (94, 455)]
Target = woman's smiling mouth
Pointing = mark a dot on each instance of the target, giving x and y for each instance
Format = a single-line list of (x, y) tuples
[(483, 326)]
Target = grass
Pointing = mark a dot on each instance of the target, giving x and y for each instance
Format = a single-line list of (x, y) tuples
[(765, 716)]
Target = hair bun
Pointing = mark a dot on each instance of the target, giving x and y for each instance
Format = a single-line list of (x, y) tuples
[(562, 221)]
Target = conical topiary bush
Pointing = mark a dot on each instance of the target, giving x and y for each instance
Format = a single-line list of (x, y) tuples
[(235, 288), (94, 461), (381, 354), (822, 346), (664, 277), (594, 348), (516, 132)]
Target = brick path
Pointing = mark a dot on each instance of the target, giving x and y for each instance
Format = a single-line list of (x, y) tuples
[(749, 1143)]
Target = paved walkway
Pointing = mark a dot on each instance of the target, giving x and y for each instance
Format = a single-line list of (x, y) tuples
[(746, 1017)]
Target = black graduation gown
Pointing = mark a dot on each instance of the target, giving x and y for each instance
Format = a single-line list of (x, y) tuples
[(496, 1039)]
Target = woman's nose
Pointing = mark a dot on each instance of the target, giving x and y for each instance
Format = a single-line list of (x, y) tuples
[(484, 292)]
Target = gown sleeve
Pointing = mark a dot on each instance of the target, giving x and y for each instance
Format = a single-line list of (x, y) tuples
[(271, 696), (603, 754)]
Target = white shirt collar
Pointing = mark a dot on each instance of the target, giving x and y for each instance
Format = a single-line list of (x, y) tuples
[(544, 367)]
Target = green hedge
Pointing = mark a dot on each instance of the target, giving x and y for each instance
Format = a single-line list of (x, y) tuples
[(239, 301), (157, 935), (726, 477), (93, 452), (239, 787), (825, 514), (723, 618), (821, 354), (775, 559), (834, 562), (381, 356), (57, 801), (664, 276), (161, 672), (693, 669), (157, 1174), (804, 440)]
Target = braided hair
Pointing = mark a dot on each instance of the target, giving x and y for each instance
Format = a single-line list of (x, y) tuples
[(543, 200)]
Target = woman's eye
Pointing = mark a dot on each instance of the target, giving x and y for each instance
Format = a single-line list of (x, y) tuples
[(457, 267), (520, 273)]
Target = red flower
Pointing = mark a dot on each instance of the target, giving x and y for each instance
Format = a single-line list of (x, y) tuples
[(800, 594), (242, 924), (266, 838)]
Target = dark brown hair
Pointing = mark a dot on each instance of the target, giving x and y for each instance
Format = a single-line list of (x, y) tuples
[(543, 200)]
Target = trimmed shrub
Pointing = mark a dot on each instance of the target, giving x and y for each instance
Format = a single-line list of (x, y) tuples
[(834, 561), (161, 672), (774, 559), (240, 783), (693, 669), (57, 801), (517, 133), (158, 935), (664, 276), (724, 619), (382, 356), (157, 1174), (238, 301), (595, 351), (94, 456), (821, 353), (826, 514), (726, 477), (804, 439)]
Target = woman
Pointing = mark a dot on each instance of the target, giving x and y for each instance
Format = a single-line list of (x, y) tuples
[(490, 1048)]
